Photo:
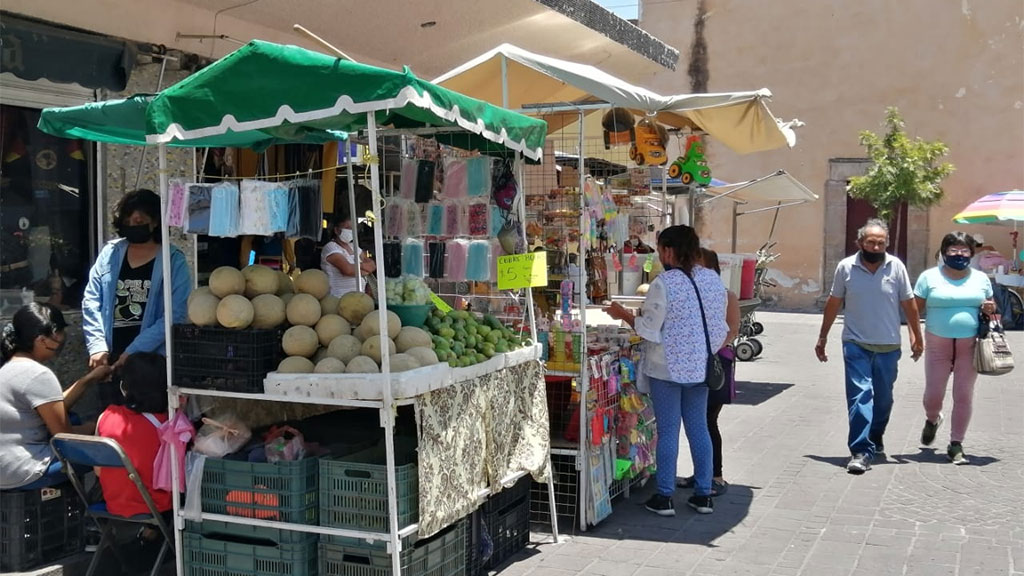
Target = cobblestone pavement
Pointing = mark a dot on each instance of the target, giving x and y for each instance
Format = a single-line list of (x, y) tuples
[(792, 509)]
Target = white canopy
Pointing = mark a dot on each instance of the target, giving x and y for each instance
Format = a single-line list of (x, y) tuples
[(779, 187), (521, 80)]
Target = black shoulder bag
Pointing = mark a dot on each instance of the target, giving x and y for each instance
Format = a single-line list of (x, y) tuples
[(714, 377)]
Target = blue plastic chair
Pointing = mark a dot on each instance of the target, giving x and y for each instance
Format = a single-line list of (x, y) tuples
[(94, 451)]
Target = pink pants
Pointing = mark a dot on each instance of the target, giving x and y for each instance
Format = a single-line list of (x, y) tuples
[(942, 356)]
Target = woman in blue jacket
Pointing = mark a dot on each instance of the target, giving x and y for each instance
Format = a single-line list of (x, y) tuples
[(123, 306)]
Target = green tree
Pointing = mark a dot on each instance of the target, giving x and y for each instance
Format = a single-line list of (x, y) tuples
[(902, 170)]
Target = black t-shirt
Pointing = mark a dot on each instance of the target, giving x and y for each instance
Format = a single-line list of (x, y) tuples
[(131, 300)]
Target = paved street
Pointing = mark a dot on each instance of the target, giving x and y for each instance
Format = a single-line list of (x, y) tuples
[(792, 509)]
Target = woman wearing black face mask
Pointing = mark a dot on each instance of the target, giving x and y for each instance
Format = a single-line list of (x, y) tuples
[(122, 308), (32, 405), (953, 294)]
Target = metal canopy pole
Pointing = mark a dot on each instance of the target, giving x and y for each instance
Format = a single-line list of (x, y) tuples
[(387, 411), (352, 211), (142, 157), (583, 459)]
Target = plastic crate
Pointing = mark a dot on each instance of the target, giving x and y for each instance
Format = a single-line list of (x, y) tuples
[(354, 489), (39, 526), (282, 491), (247, 532), (508, 496), (443, 554), (232, 555), (509, 530), (217, 358)]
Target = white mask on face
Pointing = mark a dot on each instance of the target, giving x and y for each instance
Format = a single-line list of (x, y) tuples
[(345, 235)]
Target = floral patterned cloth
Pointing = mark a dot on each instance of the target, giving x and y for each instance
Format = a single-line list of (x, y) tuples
[(474, 434)]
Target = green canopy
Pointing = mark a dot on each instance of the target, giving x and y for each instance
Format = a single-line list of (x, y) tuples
[(266, 93)]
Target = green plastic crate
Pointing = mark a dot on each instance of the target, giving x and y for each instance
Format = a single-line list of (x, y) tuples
[(443, 554), (354, 489), (212, 556), (247, 532), (282, 491)]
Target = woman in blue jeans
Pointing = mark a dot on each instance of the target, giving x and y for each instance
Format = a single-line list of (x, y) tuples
[(675, 359)]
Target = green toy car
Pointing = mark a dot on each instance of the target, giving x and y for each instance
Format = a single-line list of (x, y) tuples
[(691, 167)]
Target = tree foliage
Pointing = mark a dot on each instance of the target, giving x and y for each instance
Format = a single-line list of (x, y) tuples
[(903, 169)]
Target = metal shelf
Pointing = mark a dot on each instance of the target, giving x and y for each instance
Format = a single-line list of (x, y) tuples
[(292, 399)]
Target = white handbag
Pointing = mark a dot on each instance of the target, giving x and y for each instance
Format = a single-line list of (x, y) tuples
[(992, 355)]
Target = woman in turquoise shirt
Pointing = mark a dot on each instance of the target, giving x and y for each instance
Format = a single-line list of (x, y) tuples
[(952, 294)]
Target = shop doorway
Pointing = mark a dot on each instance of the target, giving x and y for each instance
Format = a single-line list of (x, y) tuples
[(858, 212)]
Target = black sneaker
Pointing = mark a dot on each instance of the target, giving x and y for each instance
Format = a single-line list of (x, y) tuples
[(955, 451), (929, 430), (661, 505), (702, 504), (859, 464)]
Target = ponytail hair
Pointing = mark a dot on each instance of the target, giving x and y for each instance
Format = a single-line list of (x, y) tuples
[(144, 382), (28, 323), (685, 246)]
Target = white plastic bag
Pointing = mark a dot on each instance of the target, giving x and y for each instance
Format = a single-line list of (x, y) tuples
[(193, 509), (218, 438)]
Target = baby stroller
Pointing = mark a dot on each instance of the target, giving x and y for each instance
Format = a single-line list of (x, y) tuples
[(747, 346)]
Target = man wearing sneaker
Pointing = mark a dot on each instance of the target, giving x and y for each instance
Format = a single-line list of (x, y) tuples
[(872, 286)]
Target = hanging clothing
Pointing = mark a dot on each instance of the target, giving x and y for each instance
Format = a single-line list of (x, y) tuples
[(261, 208), (478, 176), (177, 202), (224, 210), (199, 197)]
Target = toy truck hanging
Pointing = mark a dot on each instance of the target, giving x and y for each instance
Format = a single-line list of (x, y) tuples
[(692, 166)]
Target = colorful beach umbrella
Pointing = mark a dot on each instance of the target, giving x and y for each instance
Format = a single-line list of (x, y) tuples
[(998, 208)]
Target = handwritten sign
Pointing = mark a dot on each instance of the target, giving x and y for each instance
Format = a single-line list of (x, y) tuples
[(522, 270), (439, 303)]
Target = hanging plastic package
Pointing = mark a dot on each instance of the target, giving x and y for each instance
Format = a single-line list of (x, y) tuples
[(497, 220), (424, 181), (478, 176), (435, 219), (478, 262), (412, 258), (278, 208), (437, 251), (503, 186), (454, 219), (407, 186), (414, 219), (477, 218), (458, 254), (199, 198), (394, 218), (456, 181), (294, 212), (305, 207), (177, 202), (224, 217), (496, 251), (257, 207), (392, 258)]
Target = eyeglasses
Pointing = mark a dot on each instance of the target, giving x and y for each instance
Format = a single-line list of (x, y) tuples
[(60, 344), (958, 252)]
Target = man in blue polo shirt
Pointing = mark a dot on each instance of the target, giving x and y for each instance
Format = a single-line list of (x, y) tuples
[(873, 285)]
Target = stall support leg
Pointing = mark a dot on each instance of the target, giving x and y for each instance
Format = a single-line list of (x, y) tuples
[(388, 407), (352, 208), (583, 459)]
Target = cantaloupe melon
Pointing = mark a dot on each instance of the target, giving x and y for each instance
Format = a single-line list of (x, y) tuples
[(425, 355), (371, 348), (202, 308), (295, 365), (330, 365), (371, 325), (197, 292), (411, 337), (300, 341), (225, 281), (287, 297), (303, 310), (268, 312), (328, 305), (321, 353), (353, 306), (313, 282), (362, 365), (259, 279), (345, 348), (330, 327), (403, 363), (235, 311), (284, 284)]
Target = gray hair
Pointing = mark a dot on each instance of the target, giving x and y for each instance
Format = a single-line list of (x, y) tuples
[(872, 223)]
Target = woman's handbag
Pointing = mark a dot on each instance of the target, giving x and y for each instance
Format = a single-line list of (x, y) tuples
[(714, 377), (992, 356)]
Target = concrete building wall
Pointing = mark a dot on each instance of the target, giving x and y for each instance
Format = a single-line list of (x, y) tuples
[(955, 70)]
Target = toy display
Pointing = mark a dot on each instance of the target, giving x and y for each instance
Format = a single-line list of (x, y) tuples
[(649, 146), (692, 167)]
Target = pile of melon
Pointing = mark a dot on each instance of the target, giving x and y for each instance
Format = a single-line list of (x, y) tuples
[(325, 334)]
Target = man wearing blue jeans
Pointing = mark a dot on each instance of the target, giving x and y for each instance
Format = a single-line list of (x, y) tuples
[(873, 286)]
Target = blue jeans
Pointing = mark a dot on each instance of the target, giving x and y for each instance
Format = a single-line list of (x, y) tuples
[(869, 380), (672, 402)]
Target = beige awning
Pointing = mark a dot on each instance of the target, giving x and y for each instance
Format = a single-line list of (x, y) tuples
[(779, 187)]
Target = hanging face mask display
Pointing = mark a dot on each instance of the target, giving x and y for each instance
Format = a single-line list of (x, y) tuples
[(437, 252), (956, 261), (392, 259)]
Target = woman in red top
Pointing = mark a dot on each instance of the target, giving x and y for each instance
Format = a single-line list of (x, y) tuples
[(135, 427)]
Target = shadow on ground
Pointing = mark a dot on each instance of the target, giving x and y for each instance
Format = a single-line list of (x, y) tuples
[(938, 456), (754, 393)]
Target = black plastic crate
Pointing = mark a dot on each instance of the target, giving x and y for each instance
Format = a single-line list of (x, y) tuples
[(508, 496), (217, 358), (509, 529), (39, 526)]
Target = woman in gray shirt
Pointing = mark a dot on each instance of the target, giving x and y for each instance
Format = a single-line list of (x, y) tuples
[(32, 405)]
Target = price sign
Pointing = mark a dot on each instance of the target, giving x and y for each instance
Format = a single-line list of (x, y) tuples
[(439, 303), (522, 270)]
